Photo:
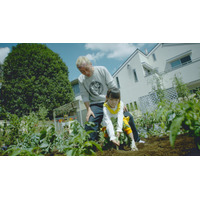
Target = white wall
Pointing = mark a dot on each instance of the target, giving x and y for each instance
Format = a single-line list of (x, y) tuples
[(165, 53)]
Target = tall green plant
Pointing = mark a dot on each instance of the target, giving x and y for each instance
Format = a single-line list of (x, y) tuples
[(34, 76), (79, 142), (158, 86), (181, 117), (181, 88)]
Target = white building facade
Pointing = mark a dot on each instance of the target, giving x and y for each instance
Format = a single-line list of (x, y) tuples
[(136, 76)]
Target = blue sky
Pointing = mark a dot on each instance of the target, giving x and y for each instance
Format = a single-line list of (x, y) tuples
[(110, 55)]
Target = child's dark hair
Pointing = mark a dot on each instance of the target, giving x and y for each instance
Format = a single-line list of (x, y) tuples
[(114, 93)]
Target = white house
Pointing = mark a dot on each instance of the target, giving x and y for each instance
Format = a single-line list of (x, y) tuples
[(135, 76)]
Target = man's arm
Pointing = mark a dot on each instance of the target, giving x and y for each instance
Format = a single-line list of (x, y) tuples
[(89, 111), (85, 98)]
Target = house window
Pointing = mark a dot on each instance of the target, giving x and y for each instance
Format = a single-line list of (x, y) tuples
[(76, 89), (181, 61), (127, 106), (135, 105), (154, 57), (135, 75), (131, 106), (117, 79), (147, 72)]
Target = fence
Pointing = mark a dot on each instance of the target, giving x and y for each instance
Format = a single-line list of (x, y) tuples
[(149, 102), (66, 114)]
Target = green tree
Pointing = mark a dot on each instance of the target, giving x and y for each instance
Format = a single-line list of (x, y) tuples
[(1, 74), (33, 77)]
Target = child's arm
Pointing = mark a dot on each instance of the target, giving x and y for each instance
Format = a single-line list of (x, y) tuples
[(108, 123), (120, 116)]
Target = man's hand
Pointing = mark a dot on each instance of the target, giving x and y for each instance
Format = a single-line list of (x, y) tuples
[(89, 113)]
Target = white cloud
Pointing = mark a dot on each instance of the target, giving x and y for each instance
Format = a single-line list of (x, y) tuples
[(112, 50), (4, 53), (94, 57)]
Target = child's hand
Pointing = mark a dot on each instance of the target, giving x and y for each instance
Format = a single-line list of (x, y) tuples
[(116, 142), (118, 134)]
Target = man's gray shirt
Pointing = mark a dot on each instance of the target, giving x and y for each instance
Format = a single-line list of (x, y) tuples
[(94, 89)]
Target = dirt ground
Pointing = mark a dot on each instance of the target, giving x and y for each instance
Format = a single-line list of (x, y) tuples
[(158, 146)]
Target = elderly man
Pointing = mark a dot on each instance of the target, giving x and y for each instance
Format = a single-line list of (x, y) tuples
[(94, 83)]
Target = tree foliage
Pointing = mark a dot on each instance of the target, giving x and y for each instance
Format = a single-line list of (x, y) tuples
[(34, 76), (1, 72)]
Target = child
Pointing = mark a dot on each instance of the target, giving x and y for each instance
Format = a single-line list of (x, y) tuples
[(113, 108)]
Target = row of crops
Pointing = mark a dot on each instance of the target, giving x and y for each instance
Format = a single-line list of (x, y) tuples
[(173, 119), (33, 135)]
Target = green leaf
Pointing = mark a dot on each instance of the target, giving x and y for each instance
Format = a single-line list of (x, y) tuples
[(43, 134), (162, 125), (97, 145), (44, 145), (88, 143), (174, 129), (70, 152), (15, 152)]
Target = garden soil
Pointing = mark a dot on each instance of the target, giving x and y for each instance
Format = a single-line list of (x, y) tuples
[(158, 146)]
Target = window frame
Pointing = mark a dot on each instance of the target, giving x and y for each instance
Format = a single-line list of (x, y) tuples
[(154, 57), (117, 81), (135, 75), (179, 61)]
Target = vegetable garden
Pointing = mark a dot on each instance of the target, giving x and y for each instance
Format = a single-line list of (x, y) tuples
[(171, 129)]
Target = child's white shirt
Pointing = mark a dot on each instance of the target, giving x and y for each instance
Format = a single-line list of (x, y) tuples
[(107, 115)]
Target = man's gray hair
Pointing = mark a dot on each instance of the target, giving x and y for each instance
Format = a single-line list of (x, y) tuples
[(82, 60)]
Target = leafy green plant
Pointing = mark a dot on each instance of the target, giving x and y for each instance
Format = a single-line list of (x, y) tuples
[(181, 117), (26, 136), (105, 140), (181, 88), (22, 138), (157, 86), (78, 142), (148, 125)]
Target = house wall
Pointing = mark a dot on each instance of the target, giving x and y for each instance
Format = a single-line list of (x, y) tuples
[(164, 53), (130, 89), (189, 73)]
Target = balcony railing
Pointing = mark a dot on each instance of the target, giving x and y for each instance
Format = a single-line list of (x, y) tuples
[(172, 69), (181, 65)]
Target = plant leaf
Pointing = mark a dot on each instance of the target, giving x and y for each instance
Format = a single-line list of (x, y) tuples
[(174, 129), (44, 145), (69, 153), (98, 146)]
